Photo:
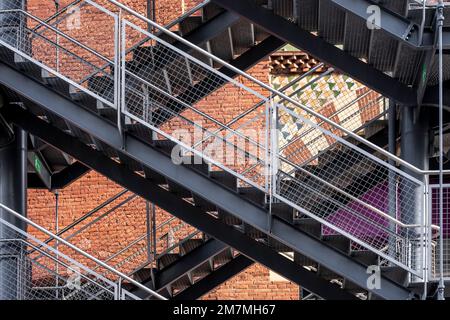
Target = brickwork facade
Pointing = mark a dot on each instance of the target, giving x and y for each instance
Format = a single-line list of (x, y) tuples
[(116, 231)]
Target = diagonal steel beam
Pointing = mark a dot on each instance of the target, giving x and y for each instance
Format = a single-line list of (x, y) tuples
[(176, 206), (209, 30), (216, 278), (322, 50), (197, 183), (68, 175), (392, 23), (183, 266)]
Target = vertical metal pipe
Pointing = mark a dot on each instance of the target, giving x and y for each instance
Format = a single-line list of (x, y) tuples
[(57, 37), (56, 242), (392, 141), (151, 13), (441, 288), (149, 231), (415, 150), (13, 193)]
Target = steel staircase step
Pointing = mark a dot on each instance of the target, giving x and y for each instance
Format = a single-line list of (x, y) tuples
[(331, 22), (222, 258), (396, 274), (130, 163), (252, 194), (225, 178), (58, 84), (228, 218), (406, 68), (310, 226), (189, 24), (179, 190), (143, 275), (398, 6), (283, 211), (210, 11), (304, 261), (140, 131), (154, 176), (203, 203), (254, 233), (221, 46), (179, 75), (166, 146), (6, 55), (84, 99), (181, 284), (374, 127), (189, 245), (201, 271), (353, 288), (278, 246), (357, 37), (326, 273), (308, 14), (337, 241), (382, 51), (27, 66), (242, 36), (365, 257), (284, 8), (167, 259)]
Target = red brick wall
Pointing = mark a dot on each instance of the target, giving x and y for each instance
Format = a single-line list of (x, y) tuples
[(122, 227)]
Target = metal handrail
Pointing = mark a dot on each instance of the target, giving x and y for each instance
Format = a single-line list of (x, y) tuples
[(81, 252), (87, 215), (59, 32), (351, 103), (58, 261), (262, 102), (276, 92), (167, 26)]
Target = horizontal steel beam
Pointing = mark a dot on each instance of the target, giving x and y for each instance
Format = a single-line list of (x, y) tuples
[(216, 278), (176, 206), (199, 184), (322, 50)]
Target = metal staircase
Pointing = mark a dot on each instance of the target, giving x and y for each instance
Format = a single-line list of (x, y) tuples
[(384, 41), (38, 271), (328, 203)]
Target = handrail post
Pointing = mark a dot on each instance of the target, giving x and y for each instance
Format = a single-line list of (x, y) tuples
[(440, 22), (118, 72)]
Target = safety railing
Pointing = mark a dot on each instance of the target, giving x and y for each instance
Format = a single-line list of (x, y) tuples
[(123, 251), (445, 233), (163, 90), (49, 273)]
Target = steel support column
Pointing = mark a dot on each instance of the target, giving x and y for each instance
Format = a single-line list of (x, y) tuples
[(415, 145), (13, 186), (13, 173)]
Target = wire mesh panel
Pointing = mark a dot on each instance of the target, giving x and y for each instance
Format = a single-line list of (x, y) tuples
[(434, 204), (353, 192), (62, 48), (32, 270), (164, 93)]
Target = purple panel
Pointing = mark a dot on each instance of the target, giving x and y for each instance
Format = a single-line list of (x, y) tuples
[(360, 221)]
